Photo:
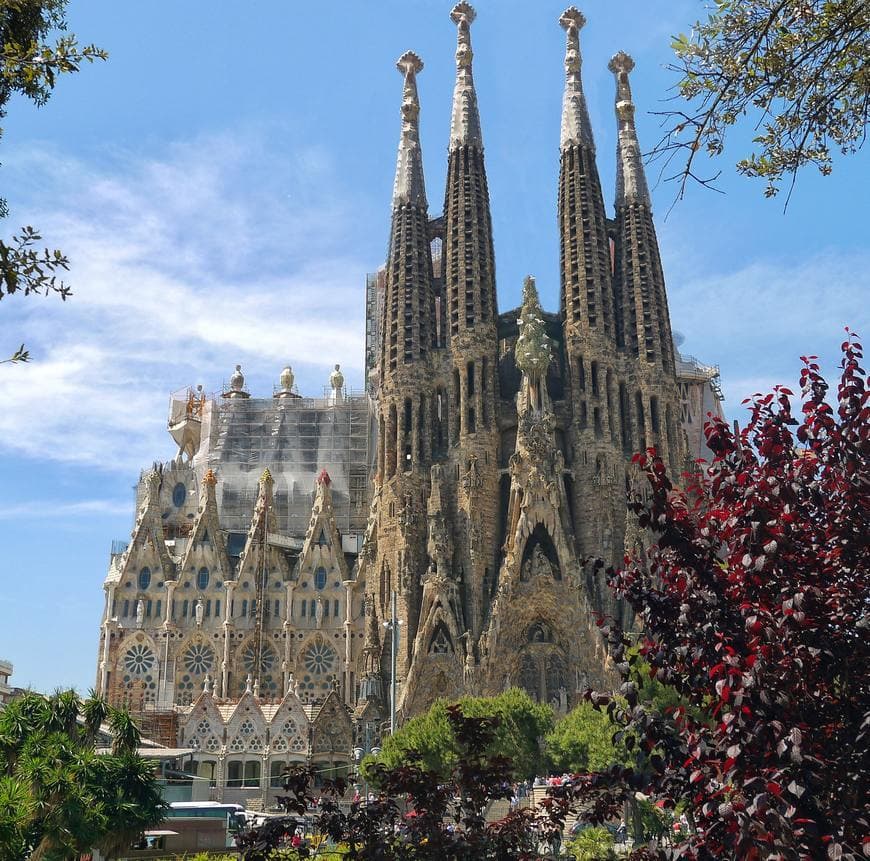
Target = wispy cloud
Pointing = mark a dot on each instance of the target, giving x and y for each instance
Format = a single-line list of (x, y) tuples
[(182, 267), (756, 320), (61, 509)]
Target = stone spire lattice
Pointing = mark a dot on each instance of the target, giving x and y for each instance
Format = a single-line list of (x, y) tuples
[(630, 178), (465, 121), (409, 186)]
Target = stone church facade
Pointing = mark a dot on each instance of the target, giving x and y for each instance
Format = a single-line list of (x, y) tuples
[(469, 485)]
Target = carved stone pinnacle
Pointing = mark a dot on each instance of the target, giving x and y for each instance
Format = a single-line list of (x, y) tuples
[(620, 62), (409, 61), (572, 17), (463, 11)]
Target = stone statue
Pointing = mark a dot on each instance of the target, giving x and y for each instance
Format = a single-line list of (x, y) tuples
[(140, 612), (286, 379), (199, 612), (336, 383), (318, 612)]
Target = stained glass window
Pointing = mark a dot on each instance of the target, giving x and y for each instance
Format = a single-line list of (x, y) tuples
[(144, 578), (320, 578), (202, 579)]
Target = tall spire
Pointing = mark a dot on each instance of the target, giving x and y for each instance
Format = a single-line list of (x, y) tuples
[(639, 278), (406, 334), (630, 178), (587, 295), (465, 121), (410, 186), (576, 128)]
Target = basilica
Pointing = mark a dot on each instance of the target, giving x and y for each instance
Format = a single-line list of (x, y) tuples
[(305, 566)]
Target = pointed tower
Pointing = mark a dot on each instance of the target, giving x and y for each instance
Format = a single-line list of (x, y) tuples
[(472, 315), (640, 285), (405, 397), (588, 314), (587, 294)]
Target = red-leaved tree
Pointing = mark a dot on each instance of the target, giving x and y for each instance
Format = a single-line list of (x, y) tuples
[(754, 605)]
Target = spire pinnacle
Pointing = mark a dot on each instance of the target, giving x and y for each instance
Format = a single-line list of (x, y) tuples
[(576, 128), (533, 349), (409, 186), (631, 184), (465, 122)]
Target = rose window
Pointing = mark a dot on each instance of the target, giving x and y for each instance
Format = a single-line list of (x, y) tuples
[(139, 660), (320, 659), (199, 659), (203, 727), (268, 659)]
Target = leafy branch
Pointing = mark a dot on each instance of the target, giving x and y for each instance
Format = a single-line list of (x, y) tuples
[(800, 66)]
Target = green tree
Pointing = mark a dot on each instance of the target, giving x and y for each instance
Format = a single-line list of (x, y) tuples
[(58, 796), (592, 844), (30, 67), (522, 725), (583, 741), (798, 71)]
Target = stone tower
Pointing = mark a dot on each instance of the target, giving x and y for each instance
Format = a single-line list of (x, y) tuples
[(469, 279), (505, 439), (394, 561)]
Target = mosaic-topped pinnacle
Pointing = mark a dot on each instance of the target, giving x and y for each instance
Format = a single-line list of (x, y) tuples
[(465, 121), (532, 351), (621, 62), (631, 186), (409, 63), (209, 479), (572, 19), (409, 186), (463, 11), (266, 477), (576, 127)]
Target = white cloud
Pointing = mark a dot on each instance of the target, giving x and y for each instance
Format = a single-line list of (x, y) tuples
[(181, 267), (62, 509), (758, 319)]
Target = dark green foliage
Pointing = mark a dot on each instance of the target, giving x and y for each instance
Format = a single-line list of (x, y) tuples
[(58, 796), (522, 724)]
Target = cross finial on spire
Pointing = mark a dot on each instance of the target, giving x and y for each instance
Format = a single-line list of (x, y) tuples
[(409, 186), (630, 178), (576, 128), (465, 122)]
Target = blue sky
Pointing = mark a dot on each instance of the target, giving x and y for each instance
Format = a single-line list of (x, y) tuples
[(222, 186)]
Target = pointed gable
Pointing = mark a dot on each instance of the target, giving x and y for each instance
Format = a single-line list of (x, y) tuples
[(246, 727), (332, 730), (204, 726), (262, 523), (288, 729), (322, 545), (147, 546), (205, 545)]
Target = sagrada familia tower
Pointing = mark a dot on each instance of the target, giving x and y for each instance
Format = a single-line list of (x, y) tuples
[(503, 440), (458, 500)]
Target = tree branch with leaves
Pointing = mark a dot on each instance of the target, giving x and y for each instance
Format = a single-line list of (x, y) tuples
[(30, 66), (797, 70)]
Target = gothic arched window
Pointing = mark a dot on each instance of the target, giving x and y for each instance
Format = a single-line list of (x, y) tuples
[(144, 578), (441, 644), (202, 579), (320, 578)]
